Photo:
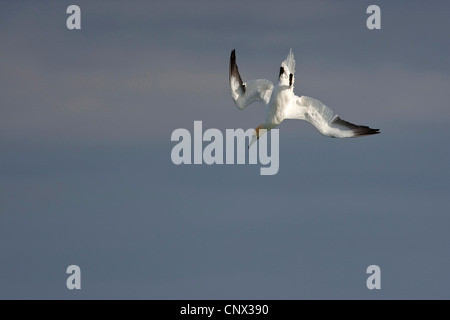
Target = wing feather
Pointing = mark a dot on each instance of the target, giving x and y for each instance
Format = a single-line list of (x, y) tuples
[(325, 120), (245, 93)]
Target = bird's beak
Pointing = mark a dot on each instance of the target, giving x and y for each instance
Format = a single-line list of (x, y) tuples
[(254, 139), (255, 136)]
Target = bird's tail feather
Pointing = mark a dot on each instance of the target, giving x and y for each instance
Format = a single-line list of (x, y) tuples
[(290, 62)]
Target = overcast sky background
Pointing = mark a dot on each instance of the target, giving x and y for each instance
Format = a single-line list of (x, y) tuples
[(87, 179)]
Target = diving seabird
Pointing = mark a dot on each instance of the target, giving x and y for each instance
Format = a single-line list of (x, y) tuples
[(281, 103)]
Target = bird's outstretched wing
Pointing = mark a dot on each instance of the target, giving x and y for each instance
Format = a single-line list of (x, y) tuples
[(324, 119), (244, 93)]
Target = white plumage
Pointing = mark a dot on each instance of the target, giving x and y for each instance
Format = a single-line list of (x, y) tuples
[(281, 103)]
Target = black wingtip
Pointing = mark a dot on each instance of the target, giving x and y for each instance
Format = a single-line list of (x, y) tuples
[(234, 71), (359, 131), (281, 72), (232, 61), (365, 131)]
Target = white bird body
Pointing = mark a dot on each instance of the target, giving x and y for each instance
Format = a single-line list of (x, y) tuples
[(281, 103), (275, 110)]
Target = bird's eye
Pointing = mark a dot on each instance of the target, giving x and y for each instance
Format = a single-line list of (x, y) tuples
[(281, 71)]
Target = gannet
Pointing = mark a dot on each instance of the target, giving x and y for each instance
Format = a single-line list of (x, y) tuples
[(281, 103)]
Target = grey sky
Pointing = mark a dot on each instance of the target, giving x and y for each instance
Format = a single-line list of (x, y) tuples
[(87, 179)]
